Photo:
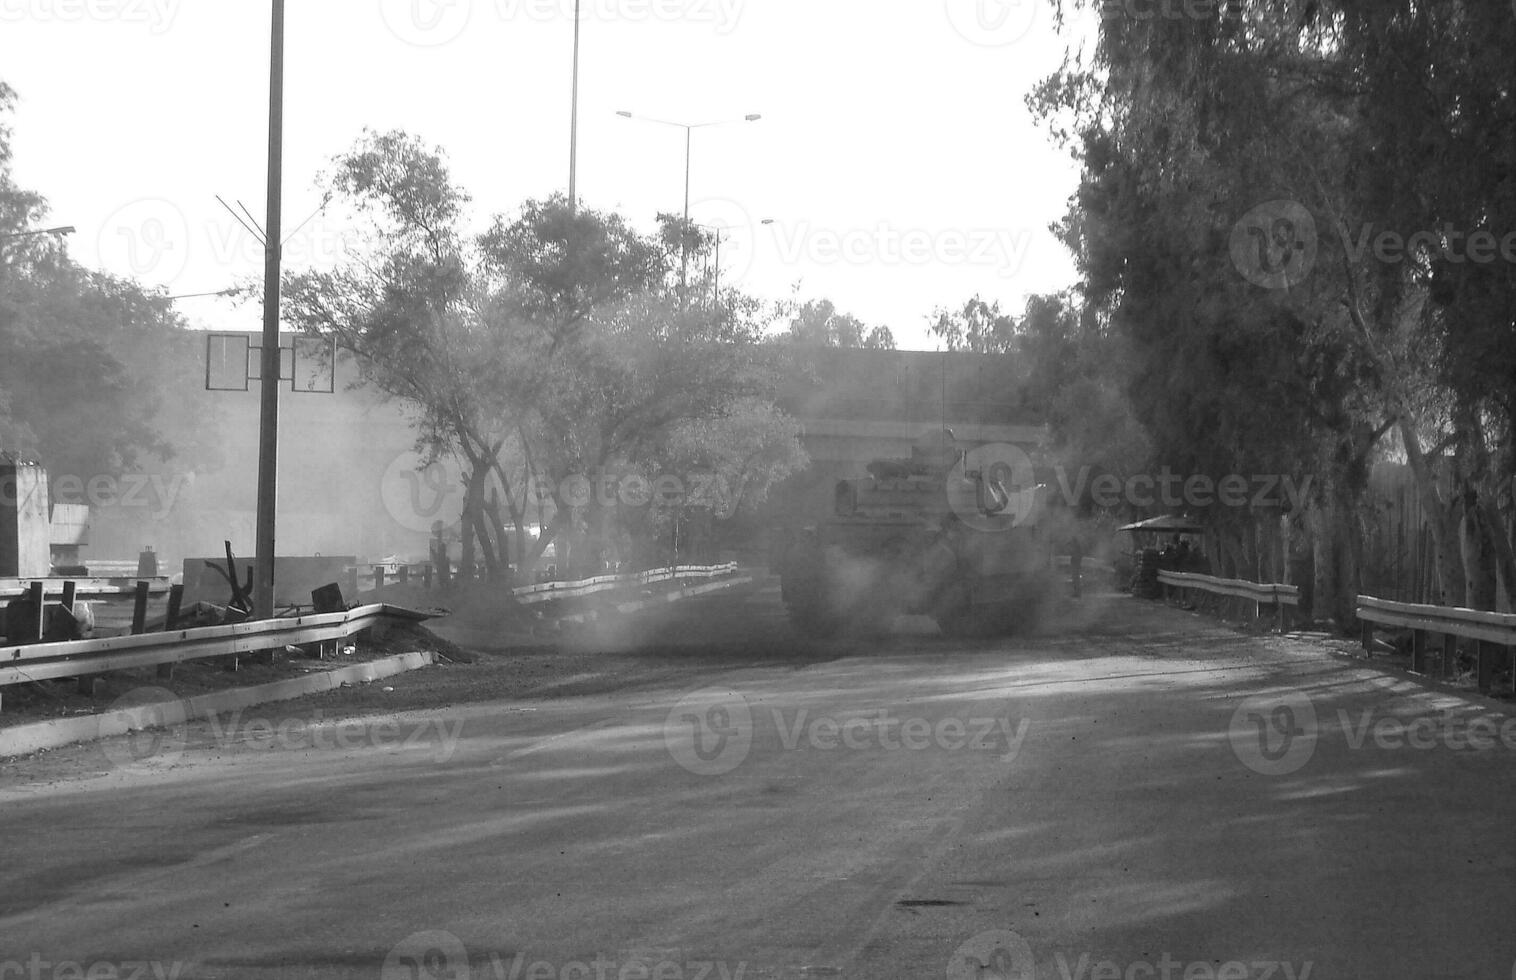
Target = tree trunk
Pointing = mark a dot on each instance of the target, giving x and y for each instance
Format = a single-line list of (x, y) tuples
[(1478, 554), (474, 524), (1335, 557), (1325, 573), (500, 568), (1500, 538), (1448, 589)]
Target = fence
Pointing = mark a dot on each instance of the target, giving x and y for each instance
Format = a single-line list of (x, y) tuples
[(1259, 594), (1493, 633)]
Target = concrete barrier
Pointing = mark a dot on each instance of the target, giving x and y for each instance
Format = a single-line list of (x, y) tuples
[(34, 737)]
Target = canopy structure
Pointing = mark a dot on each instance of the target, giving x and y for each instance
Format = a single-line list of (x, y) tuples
[(1166, 524)]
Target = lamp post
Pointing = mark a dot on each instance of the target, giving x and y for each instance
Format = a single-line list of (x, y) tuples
[(574, 123), (689, 129), (228, 291), (716, 284), (60, 231)]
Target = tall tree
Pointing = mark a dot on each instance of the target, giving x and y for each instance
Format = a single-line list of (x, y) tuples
[(1235, 167), (820, 323), (552, 338), (87, 360)]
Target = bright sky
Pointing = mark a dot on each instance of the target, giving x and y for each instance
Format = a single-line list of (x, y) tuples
[(895, 158)]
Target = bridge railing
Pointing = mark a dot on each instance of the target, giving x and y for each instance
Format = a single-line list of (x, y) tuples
[(1260, 594), (1493, 633)]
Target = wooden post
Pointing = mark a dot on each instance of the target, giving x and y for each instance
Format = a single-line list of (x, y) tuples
[(1486, 652), (139, 609), (170, 618), (1367, 629), (1279, 613), (85, 682), (378, 577), (405, 574), (34, 593), (1449, 654), (1419, 651), (175, 602)]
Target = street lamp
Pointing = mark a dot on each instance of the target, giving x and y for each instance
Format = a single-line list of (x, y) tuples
[(228, 291), (689, 129), (716, 285), (60, 230)]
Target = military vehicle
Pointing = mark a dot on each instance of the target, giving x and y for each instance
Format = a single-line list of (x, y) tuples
[(948, 533)]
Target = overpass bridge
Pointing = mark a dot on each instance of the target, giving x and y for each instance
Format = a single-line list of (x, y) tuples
[(855, 406)]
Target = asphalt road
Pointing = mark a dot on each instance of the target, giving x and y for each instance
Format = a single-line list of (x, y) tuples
[(1135, 793)]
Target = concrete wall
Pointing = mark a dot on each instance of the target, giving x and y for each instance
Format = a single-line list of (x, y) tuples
[(346, 483), (24, 531)]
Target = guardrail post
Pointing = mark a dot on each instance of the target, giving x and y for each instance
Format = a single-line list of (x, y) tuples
[(405, 574), (1486, 652), (1449, 654), (139, 609), (1366, 628), (170, 618), (34, 593), (85, 684), (1419, 651), (175, 603), (1279, 612), (378, 577)]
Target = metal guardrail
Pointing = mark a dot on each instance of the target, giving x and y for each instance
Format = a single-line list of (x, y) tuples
[(1259, 593), (1495, 633), (75, 658), (568, 590), (404, 573)]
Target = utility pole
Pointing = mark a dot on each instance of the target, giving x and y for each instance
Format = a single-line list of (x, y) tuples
[(574, 123), (684, 230), (268, 416)]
